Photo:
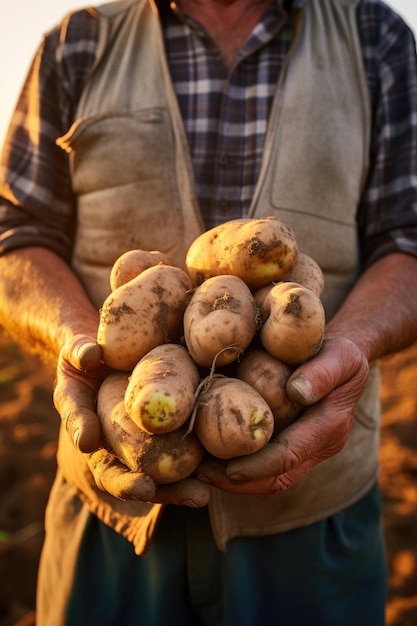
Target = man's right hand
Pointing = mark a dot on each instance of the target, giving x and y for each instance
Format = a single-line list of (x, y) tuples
[(80, 372)]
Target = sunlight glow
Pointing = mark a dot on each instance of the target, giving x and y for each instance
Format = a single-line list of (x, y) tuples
[(20, 35)]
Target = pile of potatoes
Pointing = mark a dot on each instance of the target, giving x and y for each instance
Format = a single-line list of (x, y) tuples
[(201, 355)]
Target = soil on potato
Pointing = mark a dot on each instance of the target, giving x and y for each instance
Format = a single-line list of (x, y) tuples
[(28, 433)]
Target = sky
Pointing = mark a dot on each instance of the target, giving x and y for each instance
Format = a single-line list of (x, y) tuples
[(23, 22)]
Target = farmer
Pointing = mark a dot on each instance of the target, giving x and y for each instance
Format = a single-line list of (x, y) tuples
[(139, 126)]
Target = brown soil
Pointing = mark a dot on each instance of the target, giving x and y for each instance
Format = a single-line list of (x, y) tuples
[(28, 431)]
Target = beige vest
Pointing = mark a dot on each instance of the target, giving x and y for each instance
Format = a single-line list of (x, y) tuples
[(132, 172)]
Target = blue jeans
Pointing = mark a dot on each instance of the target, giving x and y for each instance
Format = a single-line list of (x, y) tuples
[(332, 573)]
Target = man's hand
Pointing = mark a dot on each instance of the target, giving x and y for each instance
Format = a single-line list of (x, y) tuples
[(80, 373), (329, 386), (112, 476)]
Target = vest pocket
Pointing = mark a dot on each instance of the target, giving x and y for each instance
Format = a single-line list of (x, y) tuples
[(124, 177), (112, 149)]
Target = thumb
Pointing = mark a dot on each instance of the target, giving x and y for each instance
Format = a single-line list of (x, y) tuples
[(339, 361), (83, 352)]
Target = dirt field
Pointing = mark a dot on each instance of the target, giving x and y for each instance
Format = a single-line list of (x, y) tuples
[(28, 429)]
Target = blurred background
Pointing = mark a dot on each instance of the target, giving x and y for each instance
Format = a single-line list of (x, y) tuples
[(29, 423)]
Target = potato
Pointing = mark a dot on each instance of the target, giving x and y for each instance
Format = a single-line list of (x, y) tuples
[(269, 377), (258, 251), (142, 314), (259, 295), (221, 317), (232, 419), (132, 263), (160, 394), (293, 323), (166, 458), (307, 273)]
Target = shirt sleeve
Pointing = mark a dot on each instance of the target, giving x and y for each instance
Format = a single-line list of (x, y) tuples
[(36, 198), (388, 212)]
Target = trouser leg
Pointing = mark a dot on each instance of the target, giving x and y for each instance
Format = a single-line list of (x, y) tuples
[(331, 573)]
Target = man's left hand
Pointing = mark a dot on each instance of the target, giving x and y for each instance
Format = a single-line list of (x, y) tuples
[(329, 386)]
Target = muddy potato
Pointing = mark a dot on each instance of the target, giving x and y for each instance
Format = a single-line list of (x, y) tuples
[(166, 458), (307, 273), (269, 377), (142, 314), (293, 323), (232, 419), (259, 295), (160, 394), (220, 319), (258, 251), (132, 263)]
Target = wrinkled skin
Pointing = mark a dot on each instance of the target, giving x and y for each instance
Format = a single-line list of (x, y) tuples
[(53, 316), (337, 377), (75, 394)]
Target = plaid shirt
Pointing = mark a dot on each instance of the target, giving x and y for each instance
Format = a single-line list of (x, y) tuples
[(225, 115)]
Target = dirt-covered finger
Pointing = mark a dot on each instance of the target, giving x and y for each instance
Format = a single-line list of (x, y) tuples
[(82, 352), (113, 477), (187, 492)]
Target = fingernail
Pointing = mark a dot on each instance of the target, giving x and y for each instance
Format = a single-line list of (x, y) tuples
[(189, 503), (88, 355), (76, 436), (143, 489), (302, 388), (203, 479), (238, 478)]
